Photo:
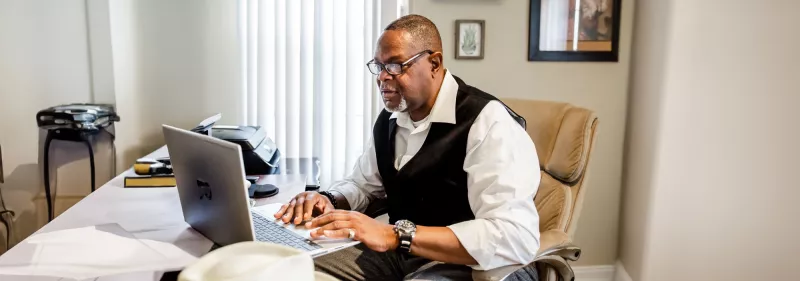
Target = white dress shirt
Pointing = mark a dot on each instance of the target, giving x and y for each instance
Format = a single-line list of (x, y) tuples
[(502, 178)]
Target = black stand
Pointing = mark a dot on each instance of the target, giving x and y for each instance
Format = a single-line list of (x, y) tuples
[(65, 135)]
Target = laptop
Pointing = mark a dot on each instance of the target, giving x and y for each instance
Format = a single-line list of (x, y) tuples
[(214, 198)]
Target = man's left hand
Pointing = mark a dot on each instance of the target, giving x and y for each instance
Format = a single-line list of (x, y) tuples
[(379, 237)]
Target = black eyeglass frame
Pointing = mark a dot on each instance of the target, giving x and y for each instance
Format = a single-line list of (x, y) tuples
[(401, 66)]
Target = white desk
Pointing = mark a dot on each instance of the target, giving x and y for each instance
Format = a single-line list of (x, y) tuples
[(147, 213)]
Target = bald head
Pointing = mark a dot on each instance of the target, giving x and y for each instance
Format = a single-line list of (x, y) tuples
[(424, 34)]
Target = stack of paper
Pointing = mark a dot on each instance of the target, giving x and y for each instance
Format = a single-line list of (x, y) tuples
[(95, 251)]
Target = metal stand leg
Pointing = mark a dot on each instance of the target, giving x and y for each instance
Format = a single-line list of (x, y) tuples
[(47, 141), (88, 143)]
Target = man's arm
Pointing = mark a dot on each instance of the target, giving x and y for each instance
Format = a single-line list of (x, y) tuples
[(362, 186), (354, 192), (440, 244), (503, 177)]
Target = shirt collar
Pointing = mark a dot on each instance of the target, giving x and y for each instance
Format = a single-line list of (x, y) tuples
[(444, 108)]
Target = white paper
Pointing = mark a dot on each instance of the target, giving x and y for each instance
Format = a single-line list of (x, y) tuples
[(93, 251)]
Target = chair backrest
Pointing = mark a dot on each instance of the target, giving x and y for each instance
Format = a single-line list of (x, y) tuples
[(564, 136)]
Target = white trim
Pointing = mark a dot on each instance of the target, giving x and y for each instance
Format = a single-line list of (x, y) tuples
[(594, 273), (620, 274), (614, 272)]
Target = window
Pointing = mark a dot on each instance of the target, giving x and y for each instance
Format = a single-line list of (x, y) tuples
[(305, 76)]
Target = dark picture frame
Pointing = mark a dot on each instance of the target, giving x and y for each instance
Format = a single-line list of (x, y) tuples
[(481, 42), (536, 54)]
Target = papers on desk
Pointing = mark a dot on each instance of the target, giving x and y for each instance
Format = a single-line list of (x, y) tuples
[(101, 250)]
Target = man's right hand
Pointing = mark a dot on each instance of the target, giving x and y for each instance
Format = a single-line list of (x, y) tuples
[(303, 207)]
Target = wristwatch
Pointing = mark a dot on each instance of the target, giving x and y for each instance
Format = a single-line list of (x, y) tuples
[(405, 231), (330, 197)]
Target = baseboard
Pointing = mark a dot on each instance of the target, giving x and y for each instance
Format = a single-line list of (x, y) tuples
[(594, 273), (620, 274), (614, 272)]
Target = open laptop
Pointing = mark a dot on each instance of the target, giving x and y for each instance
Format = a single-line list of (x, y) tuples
[(214, 198)]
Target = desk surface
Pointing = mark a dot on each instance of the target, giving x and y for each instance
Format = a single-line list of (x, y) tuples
[(147, 213)]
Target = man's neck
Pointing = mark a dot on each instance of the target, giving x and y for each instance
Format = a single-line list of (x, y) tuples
[(424, 110), (421, 112)]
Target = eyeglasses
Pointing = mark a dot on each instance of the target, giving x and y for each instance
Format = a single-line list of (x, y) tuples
[(393, 68)]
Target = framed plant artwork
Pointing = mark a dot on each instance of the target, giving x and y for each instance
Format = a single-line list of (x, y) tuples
[(470, 39), (574, 30)]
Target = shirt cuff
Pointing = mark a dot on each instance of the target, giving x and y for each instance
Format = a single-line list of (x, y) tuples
[(352, 195), (479, 237)]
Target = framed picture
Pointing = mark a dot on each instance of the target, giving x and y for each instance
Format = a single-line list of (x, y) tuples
[(574, 30), (470, 39)]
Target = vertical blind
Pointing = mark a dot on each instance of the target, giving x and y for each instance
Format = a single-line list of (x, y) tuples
[(305, 77)]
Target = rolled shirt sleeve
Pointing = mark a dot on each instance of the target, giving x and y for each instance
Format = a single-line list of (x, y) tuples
[(503, 177), (364, 184)]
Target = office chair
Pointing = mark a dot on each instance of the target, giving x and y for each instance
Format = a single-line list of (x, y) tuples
[(564, 137)]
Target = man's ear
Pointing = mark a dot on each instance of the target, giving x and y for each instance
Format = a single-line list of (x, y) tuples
[(437, 62)]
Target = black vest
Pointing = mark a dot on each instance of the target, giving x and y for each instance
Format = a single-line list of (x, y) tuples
[(431, 189)]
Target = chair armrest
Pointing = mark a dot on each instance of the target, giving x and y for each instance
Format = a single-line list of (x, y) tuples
[(554, 251), (557, 243)]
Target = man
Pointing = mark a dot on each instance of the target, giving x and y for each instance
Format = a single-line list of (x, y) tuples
[(459, 174)]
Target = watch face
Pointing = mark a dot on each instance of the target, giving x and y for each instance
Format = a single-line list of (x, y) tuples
[(405, 225)]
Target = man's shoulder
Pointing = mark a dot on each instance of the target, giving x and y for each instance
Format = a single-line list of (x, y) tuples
[(494, 110), (472, 91)]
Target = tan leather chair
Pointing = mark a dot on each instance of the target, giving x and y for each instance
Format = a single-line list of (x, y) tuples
[(564, 136)]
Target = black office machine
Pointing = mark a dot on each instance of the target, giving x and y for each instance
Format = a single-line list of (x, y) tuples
[(77, 117), (77, 122), (259, 153)]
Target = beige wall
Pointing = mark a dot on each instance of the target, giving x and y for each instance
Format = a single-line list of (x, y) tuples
[(710, 189), (643, 131), (506, 72), (44, 61), (175, 62)]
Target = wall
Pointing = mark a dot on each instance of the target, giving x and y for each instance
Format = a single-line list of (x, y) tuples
[(43, 62), (175, 62), (601, 87), (718, 201), (650, 46)]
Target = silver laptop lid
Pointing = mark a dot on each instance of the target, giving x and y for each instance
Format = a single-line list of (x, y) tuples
[(211, 185)]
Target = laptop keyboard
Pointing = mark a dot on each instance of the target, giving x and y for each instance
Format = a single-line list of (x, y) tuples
[(269, 231)]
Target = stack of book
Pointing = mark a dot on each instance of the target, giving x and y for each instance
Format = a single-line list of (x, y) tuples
[(151, 173), (165, 180)]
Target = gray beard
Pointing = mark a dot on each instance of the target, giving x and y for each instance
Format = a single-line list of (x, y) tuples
[(402, 107)]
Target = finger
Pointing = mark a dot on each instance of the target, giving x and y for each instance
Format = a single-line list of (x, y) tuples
[(309, 206), (336, 234), (325, 207), (336, 225), (330, 217), (298, 210), (289, 211), (281, 211)]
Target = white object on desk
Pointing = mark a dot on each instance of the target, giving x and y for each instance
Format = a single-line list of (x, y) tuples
[(91, 251), (152, 215), (253, 261)]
